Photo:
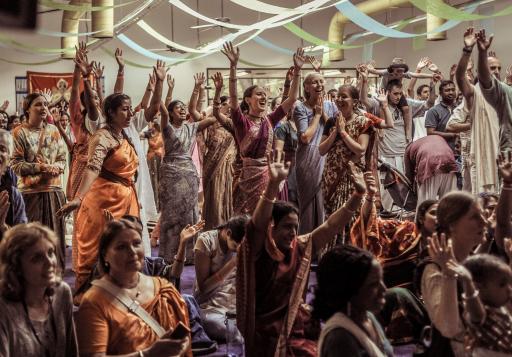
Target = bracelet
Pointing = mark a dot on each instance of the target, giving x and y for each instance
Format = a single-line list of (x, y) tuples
[(141, 354), (370, 198), (474, 296), (149, 90), (506, 188), (467, 49), (179, 260), (265, 198)]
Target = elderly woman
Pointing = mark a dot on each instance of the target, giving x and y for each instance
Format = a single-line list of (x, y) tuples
[(107, 185), (12, 206), (215, 263), (350, 290), (179, 181), (38, 160), (106, 324), (253, 130), (36, 306)]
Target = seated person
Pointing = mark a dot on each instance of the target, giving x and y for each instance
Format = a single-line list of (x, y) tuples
[(215, 264), (107, 326)]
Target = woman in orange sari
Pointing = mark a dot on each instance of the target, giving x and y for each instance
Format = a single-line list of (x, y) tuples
[(106, 327), (107, 185)]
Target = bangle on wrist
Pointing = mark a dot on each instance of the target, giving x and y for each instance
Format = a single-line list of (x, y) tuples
[(179, 260), (467, 49), (474, 296), (370, 198), (506, 187), (265, 198), (141, 354)]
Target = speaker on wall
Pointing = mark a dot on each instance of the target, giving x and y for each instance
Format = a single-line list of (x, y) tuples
[(18, 13)]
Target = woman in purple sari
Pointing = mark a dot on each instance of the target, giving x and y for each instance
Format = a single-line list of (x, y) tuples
[(254, 130)]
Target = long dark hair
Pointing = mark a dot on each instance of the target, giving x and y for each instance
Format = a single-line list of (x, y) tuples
[(451, 208), (111, 231), (341, 273), (422, 211), (111, 103), (244, 107)]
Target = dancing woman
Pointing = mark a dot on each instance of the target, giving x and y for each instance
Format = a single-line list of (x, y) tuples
[(254, 130)]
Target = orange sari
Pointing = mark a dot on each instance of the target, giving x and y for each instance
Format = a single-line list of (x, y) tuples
[(118, 198)]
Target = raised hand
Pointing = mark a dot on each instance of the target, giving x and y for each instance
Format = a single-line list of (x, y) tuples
[(97, 69), (160, 70), (469, 37), (457, 271), (453, 69), (5, 105), (424, 62), (433, 68), (505, 166), (81, 49), (289, 74), (199, 79), (491, 54), (170, 81), (218, 81), (362, 69), (151, 82), (82, 63), (191, 230), (299, 59), (371, 184), (382, 97), (357, 178), (108, 215), (119, 58), (277, 168), (437, 77), (56, 115), (347, 80), (508, 78), (232, 53), (314, 63), (482, 41), (371, 64), (440, 250)]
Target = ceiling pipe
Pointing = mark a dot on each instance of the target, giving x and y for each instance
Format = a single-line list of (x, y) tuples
[(338, 22), (70, 24), (103, 21), (433, 22)]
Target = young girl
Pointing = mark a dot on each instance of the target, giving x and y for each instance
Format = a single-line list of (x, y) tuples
[(487, 286)]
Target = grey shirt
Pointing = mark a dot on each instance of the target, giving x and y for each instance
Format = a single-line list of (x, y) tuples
[(437, 117), (499, 96), (394, 142), (18, 339)]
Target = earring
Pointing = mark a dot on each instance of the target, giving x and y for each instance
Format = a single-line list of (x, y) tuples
[(107, 265)]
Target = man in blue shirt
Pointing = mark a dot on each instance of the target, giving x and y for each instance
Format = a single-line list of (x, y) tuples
[(12, 206), (437, 117)]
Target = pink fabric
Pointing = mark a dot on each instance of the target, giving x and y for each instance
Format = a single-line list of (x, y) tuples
[(196, 159), (427, 157)]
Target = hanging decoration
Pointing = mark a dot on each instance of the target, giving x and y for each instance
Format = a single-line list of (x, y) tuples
[(81, 8), (440, 9)]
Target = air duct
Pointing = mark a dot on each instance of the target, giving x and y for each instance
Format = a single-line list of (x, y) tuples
[(103, 21), (338, 22), (433, 22), (70, 24)]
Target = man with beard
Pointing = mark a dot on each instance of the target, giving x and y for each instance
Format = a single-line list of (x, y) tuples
[(496, 92), (438, 116), (12, 206), (273, 267)]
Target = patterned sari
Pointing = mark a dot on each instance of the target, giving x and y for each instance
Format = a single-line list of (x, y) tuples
[(336, 183), (218, 176)]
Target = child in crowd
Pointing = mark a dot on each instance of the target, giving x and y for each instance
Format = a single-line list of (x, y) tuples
[(487, 285)]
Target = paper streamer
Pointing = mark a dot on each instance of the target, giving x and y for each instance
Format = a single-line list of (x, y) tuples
[(368, 23), (84, 8), (262, 42), (31, 63), (40, 50), (445, 11)]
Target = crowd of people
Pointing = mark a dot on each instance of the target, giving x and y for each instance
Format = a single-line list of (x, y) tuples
[(398, 201)]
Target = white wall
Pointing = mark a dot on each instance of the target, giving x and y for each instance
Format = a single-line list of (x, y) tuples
[(444, 53)]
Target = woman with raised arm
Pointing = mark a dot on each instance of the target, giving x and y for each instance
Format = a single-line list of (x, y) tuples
[(179, 182), (108, 183), (218, 162), (253, 130)]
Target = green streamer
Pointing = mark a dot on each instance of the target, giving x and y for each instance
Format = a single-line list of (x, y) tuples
[(440, 9), (31, 63), (20, 45), (84, 8)]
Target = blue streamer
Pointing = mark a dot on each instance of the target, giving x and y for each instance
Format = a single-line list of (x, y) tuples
[(362, 20), (262, 42)]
